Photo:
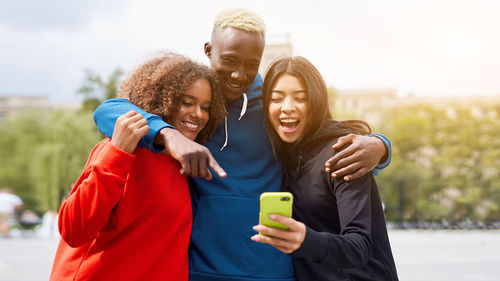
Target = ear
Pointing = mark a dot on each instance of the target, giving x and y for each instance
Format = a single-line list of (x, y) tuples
[(208, 49)]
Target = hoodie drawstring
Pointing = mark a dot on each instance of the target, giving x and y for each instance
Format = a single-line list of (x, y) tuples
[(243, 111), (244, 107)]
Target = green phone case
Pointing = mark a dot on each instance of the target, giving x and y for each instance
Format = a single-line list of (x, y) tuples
[(275, 203)]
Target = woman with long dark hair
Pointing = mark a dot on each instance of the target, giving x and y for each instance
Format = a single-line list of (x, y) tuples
[(338, 229)]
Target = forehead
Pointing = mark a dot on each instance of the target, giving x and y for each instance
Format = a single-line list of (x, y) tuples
[(200, 90), (288, 82), (239, 42)]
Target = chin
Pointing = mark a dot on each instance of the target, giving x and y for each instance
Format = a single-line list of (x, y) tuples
[(190, 135), (288, 139), (232, 96)]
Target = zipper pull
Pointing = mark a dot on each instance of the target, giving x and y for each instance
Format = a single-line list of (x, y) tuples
[(299, 162)]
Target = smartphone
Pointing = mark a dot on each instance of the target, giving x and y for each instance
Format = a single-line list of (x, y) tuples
[(275, 203)]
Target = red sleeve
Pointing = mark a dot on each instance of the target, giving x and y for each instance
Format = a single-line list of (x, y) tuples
[(95, 194)]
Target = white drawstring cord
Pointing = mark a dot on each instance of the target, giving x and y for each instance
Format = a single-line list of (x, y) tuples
[(244, 107), (225, 130), (243, 111)]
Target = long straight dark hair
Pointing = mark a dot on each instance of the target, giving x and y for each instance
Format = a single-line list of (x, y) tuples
[(316, 90)]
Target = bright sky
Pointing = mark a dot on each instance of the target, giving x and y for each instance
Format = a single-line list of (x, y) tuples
[(425, 47)]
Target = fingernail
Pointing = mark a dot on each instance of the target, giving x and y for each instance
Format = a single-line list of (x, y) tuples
[(334, 175), (257, 228), (347, 178), (272, 217)]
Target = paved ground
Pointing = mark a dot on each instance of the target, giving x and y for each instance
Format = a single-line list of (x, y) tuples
[(420, 256), (446, 255)]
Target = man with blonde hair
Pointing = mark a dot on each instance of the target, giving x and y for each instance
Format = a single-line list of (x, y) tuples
[(226, 204)]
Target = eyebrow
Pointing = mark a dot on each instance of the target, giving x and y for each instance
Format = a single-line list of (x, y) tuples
[(188, 96), (294, 92), (195, 98)]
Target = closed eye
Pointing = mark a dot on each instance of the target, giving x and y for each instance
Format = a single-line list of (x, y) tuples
[(206, 108)]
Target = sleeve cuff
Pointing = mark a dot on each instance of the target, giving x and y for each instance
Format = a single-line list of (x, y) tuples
[(115, 160), (155, 126), (388, 146), (315, 246)]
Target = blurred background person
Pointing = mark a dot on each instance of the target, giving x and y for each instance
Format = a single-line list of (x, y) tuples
[(9, 204)]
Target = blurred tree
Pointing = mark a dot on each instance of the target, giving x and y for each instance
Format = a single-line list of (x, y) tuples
[(404, 179), (42, 154), (96, 90), (445, 163)]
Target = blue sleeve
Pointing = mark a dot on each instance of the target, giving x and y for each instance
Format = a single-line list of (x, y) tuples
[(387, 143), (107, 113)]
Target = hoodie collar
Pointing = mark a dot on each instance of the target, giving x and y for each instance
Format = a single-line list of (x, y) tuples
[(253, 91)]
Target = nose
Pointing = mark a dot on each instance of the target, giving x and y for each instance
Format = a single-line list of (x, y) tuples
[(197, 112), (288, 105), (238, 75)]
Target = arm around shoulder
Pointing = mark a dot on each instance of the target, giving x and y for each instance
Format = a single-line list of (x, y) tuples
[(108, 112)]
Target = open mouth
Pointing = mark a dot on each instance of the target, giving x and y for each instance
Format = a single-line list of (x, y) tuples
[(289, 125)]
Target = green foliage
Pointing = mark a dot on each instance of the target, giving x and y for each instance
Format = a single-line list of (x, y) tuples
[(445, 164), (43, 153), (96, 90)]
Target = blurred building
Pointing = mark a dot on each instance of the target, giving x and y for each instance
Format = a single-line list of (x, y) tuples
[(276, 46), (11, 106), (371, 104), (363, 104)]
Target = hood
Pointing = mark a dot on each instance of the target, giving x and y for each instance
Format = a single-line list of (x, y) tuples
[(329, 130), (253, 94)]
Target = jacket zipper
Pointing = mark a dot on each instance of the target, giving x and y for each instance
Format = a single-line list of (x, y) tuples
[(299, 163)]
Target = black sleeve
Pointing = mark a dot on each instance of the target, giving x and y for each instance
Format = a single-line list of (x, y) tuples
[(352, 247)]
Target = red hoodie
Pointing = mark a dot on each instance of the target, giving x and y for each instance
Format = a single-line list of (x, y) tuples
[(128, 217)]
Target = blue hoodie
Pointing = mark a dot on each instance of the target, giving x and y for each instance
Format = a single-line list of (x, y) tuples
[(224, 210)]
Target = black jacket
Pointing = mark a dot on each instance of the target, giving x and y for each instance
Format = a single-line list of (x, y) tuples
[(346, 237)]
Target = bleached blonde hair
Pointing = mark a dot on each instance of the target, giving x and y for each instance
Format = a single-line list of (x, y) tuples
[(241, 19)]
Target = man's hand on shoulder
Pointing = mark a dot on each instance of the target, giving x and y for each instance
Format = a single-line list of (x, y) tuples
[(362, 154), (193, 157)]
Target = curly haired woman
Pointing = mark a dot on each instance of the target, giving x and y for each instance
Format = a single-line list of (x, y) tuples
[(129, 215)]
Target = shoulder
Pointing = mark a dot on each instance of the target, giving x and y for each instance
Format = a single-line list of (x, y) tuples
[(321, 141), (255, 89)]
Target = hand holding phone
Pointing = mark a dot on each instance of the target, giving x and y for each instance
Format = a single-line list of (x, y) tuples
[(275, 203), (279, 203)]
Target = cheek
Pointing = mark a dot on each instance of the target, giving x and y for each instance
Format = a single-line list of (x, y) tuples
[(306, 114), (219, 67), (179, 114), (206, 116), (273, 113)]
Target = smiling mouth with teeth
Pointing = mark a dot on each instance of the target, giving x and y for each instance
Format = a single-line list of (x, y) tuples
[(190, 125), (289, 123), (235, 86)]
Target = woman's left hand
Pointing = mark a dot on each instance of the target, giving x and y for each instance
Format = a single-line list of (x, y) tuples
[(287, 241)]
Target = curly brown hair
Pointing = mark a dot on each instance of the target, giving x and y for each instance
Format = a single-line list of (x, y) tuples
[(157, 86)]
